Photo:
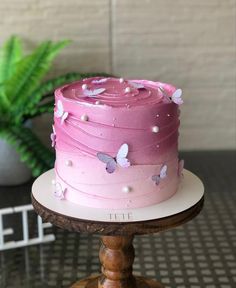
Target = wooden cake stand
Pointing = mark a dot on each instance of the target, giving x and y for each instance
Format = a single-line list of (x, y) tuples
[(118, 227)]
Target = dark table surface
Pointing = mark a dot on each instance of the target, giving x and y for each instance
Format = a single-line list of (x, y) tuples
[(201, 253)]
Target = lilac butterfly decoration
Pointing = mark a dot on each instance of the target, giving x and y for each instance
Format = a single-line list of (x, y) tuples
[(181, 167), (59, 193), (60, 113), (136, 85), (162, 175), (99, 81), (53, 136), (93, 93), (120, 159), (176, 97)]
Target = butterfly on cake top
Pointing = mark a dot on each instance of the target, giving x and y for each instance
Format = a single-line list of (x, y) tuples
[(131, 124), (175, 96)]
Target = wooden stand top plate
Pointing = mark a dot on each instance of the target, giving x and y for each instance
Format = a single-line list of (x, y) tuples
[(186, 203)]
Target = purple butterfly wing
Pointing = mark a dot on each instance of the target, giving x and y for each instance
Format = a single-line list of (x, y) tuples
[(163, 171), (95, 92), (111, 166), (64, 117), (53, 139), (164, 94), (156, 179), (176, 97), (104, 157), (137, 85), (99, 81), (121, 156), (58, 192), (123, 151), (123, 162), (177, 101), (59, 112), (63, 194)]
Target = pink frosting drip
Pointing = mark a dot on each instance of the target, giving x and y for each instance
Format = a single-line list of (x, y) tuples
[(125, 112)]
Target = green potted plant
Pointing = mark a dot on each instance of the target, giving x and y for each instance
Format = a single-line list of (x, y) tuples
[(24, 94)]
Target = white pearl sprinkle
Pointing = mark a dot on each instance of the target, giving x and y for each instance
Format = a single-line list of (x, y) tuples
[(158, 115), (68, 163), (53, 181), (84, 117), (127, 90), (84, 86), (126, 189), (155, 129), (97, 102), (158, 146), (168, 115), (121, 80)]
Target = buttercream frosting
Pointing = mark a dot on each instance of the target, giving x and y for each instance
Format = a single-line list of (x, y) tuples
[(98, 115)]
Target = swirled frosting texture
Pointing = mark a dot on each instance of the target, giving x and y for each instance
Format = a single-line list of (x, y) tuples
[(126, 111)]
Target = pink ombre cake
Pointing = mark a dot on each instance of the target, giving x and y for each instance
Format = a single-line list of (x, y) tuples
[(116, 142)]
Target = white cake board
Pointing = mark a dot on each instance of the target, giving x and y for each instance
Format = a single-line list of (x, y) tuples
[(190, 192)]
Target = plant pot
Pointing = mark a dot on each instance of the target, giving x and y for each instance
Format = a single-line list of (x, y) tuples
[(12, 170)]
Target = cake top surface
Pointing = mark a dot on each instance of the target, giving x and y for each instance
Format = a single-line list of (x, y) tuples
[(117, 92)]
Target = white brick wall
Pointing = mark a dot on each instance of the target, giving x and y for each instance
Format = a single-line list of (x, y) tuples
[(190, 43)]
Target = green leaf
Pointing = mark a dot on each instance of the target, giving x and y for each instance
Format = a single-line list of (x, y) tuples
[(31, 70), (29, 104), (10, 54), (39, 110), (4, 102), (36, 156), (56, 47)]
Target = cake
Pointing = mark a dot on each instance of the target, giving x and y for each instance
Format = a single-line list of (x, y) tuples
[(116, 142)]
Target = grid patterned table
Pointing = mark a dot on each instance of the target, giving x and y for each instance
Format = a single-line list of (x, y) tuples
[(200, 253)]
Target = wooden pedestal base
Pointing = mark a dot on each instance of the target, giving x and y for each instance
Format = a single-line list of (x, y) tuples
[(140, 282), (117, 256)]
